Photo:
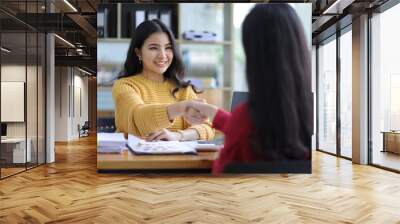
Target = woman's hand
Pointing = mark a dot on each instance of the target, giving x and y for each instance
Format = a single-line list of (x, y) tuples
[(164, 135), (193, 116), (197, 112), (176, 109), (194, 111)]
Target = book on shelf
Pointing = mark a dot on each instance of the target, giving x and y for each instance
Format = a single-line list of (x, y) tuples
[(105, 30), (165, 17), (140, 17), (100, 24), (135, 16), (152, 14), (205, 36)]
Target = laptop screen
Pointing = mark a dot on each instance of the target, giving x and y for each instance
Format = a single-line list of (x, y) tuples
[(238, 98)]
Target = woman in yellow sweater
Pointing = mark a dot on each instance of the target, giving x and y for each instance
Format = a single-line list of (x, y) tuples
[(151, 96)]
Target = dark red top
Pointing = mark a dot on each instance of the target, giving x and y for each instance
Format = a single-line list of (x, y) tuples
[(237, 128)]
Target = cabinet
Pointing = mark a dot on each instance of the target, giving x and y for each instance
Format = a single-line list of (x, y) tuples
[(209, 64), (391, 141)]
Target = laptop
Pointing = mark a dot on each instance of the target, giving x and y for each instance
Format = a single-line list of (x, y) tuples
[(238, 98), (3, 131)]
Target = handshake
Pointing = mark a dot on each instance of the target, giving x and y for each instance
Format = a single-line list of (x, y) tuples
[(197, 111), (193, 111)]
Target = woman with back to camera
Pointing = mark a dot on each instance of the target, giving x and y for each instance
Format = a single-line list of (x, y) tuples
[(276, 121), (150, 96)]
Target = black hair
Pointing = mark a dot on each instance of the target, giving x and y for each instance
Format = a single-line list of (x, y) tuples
[(278, 73), (175, 72)]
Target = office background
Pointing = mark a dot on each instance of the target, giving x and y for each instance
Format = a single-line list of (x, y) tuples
[(357, 91), (333, 71), (48, 87)]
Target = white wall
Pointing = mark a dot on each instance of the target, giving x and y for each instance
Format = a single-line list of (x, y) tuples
[(71, 94), (61, 104), (80, 94)]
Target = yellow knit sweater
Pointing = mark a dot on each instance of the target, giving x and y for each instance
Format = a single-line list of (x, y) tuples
[(140, 107)]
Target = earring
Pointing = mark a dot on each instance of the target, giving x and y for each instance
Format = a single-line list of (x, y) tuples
[(140, 60)]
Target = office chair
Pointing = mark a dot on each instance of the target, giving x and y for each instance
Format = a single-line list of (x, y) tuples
[(84, 130)]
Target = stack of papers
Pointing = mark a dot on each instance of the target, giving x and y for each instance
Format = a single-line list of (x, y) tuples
[(141, 147), (110, 142)]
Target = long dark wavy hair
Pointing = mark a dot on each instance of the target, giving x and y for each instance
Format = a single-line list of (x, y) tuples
[(175, 72), (278, 73)]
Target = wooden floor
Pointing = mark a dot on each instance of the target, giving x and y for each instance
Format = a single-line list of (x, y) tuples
[(5, 172), (71, 191), (386, 159)]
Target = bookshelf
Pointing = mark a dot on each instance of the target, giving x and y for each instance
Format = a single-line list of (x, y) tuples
[(209, 62)]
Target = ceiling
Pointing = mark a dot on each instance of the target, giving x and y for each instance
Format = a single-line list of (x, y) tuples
[(76, 26), (331, 15), (79, 27)]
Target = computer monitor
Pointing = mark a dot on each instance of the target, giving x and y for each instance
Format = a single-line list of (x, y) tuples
[(3, 129), (237, 98)]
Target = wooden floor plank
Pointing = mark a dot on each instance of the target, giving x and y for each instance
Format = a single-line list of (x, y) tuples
[(71, 191)]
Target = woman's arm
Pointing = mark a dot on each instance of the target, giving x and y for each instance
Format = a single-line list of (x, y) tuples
[(220, 120), (165, 134), (132, 115), (176, 109)]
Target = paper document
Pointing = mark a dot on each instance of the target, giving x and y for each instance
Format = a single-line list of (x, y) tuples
[(109, 149), (140, 146), (110, 142)]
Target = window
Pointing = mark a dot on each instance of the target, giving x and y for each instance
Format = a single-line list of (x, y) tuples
[(22, 69), (385, 88), (346, 94), (327, 96)]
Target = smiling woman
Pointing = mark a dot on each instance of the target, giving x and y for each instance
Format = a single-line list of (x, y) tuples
[(156, 55), (151, 95)]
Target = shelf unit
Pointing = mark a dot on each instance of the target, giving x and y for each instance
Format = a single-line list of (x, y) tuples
[(221, 95), (178, 41)]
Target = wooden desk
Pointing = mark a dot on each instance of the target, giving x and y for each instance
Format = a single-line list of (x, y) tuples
[(129, 161)]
